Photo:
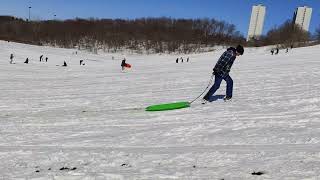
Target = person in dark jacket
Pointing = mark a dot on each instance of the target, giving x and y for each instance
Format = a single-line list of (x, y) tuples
[(123, 64), (11, 58), (177, 60), (41, 58), (221, 72)]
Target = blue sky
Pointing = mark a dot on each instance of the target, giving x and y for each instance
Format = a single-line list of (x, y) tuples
[(233, 11)]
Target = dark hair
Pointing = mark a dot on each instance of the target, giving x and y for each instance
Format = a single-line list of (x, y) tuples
[(240, 49)]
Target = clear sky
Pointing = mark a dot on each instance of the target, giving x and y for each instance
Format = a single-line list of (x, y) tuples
[(232, 11)]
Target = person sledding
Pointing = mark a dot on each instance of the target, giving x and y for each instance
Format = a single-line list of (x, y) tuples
[(124, 64), (221, 72)]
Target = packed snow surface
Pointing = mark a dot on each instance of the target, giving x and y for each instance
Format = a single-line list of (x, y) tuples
[(88, 122)]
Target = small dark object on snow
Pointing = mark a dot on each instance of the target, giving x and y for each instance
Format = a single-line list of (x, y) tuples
[(37, 171), (125, 165), (257, 173), (194, 166), (66, 168), (49, 169), (64, 64)]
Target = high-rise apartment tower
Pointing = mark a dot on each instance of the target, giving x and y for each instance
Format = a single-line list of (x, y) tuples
[(302, 17), (256, 22)]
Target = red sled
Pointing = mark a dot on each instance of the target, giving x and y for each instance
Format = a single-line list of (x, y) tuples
[(127, 65)]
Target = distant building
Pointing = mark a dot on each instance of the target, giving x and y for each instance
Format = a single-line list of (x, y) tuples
[(256, 22), (302, 17)]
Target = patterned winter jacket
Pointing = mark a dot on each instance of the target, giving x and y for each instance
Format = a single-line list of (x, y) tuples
[(224, 64)]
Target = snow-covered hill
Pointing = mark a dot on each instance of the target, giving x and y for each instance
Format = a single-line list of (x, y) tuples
[(88, 122)]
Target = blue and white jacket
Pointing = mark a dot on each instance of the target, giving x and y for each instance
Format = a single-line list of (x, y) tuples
[(224, 64)]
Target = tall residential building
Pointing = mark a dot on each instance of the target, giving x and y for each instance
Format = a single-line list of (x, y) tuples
[(256, 21), (302, 17)]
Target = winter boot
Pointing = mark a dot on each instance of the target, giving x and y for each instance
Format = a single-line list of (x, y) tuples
[(204, 101), (226, 98)]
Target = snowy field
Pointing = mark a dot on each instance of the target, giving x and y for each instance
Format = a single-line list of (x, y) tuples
[(88, 122)]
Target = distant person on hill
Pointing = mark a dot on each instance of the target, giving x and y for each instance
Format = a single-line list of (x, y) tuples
[(181, 59), (287, 50), (277, 50), (46, 59), (177, 60), (64, 64), (27, 61), (41, 58), (11, 58), (124, 64), (188, 59), (272, 51), (82, 63), (221, 72)]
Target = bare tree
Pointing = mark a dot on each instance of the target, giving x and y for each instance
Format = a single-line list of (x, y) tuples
[(318, 33), (286, 35), (152, 34)]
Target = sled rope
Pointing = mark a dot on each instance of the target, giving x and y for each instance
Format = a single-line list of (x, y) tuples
[(210, 81)]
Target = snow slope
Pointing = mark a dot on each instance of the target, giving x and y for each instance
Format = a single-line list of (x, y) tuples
[(88, 122)]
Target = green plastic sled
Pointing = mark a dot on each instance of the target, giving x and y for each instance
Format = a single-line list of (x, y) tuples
[(169, 106)]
